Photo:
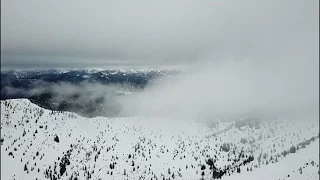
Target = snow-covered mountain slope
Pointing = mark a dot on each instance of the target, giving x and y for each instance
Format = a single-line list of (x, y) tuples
[(44, 144)]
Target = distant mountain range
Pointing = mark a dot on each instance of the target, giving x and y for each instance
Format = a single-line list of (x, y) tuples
[(19, 84)]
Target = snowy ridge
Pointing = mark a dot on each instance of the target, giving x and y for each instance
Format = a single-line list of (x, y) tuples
[(34, 72), (45, 144), (88, 71)]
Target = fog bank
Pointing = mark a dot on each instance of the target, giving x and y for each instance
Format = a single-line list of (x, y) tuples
[(288, 85)]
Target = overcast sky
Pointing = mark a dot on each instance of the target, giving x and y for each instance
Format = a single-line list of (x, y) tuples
[(150, 33)]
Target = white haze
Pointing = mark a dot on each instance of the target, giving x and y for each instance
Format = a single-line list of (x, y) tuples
[(288, 85)]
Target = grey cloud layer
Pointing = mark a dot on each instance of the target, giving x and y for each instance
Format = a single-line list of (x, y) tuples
[(79, 33)]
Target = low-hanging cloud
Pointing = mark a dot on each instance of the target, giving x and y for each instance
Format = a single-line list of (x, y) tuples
[(88, 99), (284, 86)]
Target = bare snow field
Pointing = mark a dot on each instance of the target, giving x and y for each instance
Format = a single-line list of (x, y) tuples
[(44, 144)]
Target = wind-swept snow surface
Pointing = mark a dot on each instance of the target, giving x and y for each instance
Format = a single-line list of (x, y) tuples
[(43, 144)]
